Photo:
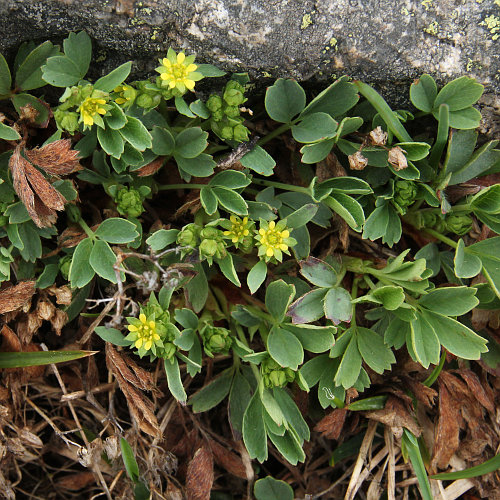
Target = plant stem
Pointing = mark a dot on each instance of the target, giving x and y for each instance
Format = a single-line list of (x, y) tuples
[(441, 237), (165, 187), (280, 185), (437, 370), (87, 229), (280, 130)]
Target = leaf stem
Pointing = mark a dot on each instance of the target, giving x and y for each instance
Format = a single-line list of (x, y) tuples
[(437, 370), (280, 130), (87, 229), (441, 237), (165, 187), (280, 185)]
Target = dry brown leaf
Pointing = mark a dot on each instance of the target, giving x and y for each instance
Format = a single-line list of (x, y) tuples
[(58, 320), (16, 296), (45, 309), (62, 294), (424, 394), (75, 482), (395, 414), (71, 236), (200, 475), (140, 407), (151, 168), (477, 389), (228, 460), (331, 425), (56, 158), (446, 433)]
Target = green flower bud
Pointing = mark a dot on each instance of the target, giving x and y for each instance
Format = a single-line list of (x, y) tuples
[(240, 133), (66, 120), (227, 133), (216, 339), (405, 193), (233, 84), (275, 375), (234, 97), (64, 265), (218, 115), (439, 225), (232, 111), (145, 101), (212, 233), (189, 236), (429, 219), (214, 103), (129, 202), (169, 350), (209, 248), (458, 224)]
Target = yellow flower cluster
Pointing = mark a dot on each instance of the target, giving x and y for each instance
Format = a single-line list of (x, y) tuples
[(178, 71), (144, 333), (91, 108), (238, 230), (273, 240)]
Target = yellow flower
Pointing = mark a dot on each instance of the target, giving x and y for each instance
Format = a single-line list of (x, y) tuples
[(178, 71), (274, 239), (126, 95), (143, 332), (237, 229), (91, 108)]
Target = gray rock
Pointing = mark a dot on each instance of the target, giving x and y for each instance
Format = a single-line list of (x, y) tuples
[(382, 42)]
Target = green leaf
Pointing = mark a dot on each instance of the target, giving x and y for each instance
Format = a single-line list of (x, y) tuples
[(199, 108), (285, 348), (174, 379), (20, 100), (424, 341), (272, 489), (213, 393), (450, 301), (227, 267), (348, 125), (109, 82), (487, 251), (487, 200), (116, 119), (48, 276), (313, 338), (163, 141), (80, 271), (232, 179), (335, 100), (116, 230), (412, 448), (376, 354), (314, 127), (415, 150), (111, 141), (201, 166), (313, 153), (8, 133), (291, 413), (102, 259), (308, 308), (373, 403), (284, 100), (186, 318), (183, 108), (29, 73), (5, 78), (383, 223), (348, 208), (460, 148), (468, 118), (337, 305), (78, 47), (390, 296), (347, 185), (423, 93), (232, 201), (259, 161), (61, 71), (256, 276), (301, 216), (129, 460), (136, 134), (384, 110), (112, 335), (459, 94), (456, 337), (486, 467), (38, 358), (466, 265), (254, 431), (191, 142), (350, 365), (208, 200), (209, 70), (318, 272), (239, 397), (197, 289), (162, 238), (441, 137), (279, 296)]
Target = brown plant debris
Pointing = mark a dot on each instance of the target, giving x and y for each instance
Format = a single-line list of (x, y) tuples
[(16, 296), (200, 475), (331, 425)]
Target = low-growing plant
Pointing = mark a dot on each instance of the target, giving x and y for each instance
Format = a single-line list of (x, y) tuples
[(225, 274)]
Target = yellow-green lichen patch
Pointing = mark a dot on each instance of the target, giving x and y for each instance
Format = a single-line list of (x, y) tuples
[(333, 43), (432, 29), (306, 21), (493, 24), (427, 4), (155, 34), (405, 11)]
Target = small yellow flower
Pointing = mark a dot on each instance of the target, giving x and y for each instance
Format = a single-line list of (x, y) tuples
[(238, 229), (126, 95), (273, 240), (144, 333), (91, 108), (178, 71)]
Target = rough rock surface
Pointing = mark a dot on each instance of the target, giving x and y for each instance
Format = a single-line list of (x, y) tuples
[(387, 43)]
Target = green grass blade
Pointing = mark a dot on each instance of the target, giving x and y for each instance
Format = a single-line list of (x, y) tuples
[(411, 443), (23, 359), (378, 102), (490, 465)]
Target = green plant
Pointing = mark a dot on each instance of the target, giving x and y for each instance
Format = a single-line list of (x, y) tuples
[(322, 325)]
